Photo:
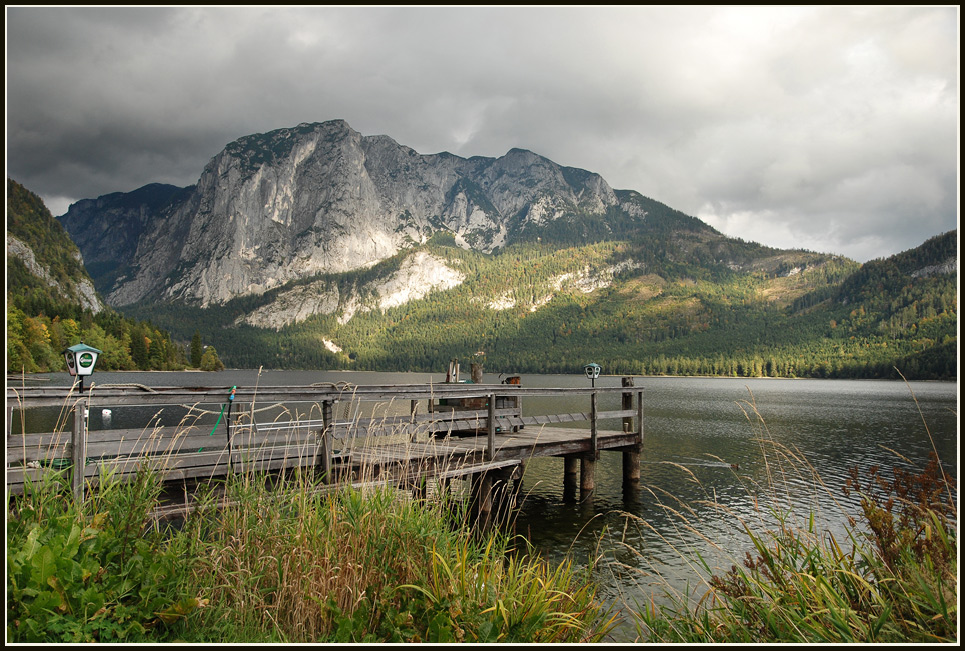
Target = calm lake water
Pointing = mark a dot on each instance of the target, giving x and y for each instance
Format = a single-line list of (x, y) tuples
[(717, 452)]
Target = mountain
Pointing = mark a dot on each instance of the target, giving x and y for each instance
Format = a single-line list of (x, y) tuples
[(42, 260), (52, 303), (316, 247), (321, 198)]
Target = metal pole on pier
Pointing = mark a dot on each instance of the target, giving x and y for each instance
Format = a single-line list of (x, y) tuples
[(78, 449)]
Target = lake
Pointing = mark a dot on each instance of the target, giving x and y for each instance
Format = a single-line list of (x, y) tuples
[(717, 452)]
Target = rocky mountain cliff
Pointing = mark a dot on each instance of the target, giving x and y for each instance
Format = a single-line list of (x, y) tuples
[(41, 258), (321, 198)]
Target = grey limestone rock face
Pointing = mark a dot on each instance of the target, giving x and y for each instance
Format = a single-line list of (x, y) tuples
[(313, 199), (81, 291)]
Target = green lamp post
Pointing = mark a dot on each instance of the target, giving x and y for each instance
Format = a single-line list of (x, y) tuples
[(81, 360)]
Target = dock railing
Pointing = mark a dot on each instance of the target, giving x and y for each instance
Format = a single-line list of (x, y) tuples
[(221, 431)]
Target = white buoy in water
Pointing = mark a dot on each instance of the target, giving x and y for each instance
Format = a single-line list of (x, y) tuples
[(106, 415)]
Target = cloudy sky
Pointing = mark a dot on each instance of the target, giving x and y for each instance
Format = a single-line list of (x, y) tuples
[(832, 129)]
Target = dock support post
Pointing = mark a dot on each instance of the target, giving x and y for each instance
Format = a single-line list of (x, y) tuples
[(571, 466), (518, 481), (484, 500), (587, 478), (78, 450), (502, 493), (631, 456)]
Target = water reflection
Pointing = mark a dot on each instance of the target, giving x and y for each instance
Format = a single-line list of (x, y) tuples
[(719, 453)]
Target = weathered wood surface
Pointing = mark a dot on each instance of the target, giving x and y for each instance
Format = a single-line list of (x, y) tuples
[(107, 395), (496, 434)]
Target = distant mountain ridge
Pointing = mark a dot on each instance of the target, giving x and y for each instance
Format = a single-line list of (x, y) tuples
[(51, 263), (322, 198), (317, 247), (52, 302)]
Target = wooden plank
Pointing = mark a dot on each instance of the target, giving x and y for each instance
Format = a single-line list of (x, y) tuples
[(43, 448), (153, 447), (162, 463), (18, 476), (477, 468)]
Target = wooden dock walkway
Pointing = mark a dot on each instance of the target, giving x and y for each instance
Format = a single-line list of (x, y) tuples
[(404, 434)]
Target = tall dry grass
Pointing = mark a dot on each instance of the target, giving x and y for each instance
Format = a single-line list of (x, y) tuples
[(890, 577)]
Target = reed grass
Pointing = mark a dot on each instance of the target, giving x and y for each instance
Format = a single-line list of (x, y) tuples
[(891, 577)]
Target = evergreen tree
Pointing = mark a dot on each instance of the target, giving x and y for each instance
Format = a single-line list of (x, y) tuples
[(196, 351)]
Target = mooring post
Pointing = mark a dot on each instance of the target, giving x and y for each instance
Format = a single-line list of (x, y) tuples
[(491, 428), (78, 449)]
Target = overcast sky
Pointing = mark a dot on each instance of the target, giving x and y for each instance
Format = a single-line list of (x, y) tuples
[(826, 128)]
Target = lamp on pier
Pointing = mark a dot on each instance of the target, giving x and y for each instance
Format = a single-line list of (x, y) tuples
[(81, 359)]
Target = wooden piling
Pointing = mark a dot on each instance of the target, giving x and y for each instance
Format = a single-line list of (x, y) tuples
[(571, 466), (484, 500), (587, 472), (631, 456)]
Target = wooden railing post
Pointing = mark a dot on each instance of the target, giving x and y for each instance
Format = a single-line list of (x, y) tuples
[(413, 410), (78, 449), (631, 454), (491, 428), (640, 415), (627, 403), (328, 433)]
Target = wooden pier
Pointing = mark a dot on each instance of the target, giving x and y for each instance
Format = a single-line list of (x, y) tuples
[(400, 434)]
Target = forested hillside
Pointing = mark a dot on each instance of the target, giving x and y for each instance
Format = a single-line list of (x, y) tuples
[(45, 314), (684, 304)]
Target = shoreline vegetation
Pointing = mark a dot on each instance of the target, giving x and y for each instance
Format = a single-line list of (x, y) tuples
[(284, 559)]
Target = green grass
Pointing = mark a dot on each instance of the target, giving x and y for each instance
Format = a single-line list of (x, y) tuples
[(286, 562)]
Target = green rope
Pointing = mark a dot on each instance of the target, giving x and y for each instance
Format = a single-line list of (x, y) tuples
[(215, 425)]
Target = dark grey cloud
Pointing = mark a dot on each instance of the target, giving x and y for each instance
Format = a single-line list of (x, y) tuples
[(835, 129)]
